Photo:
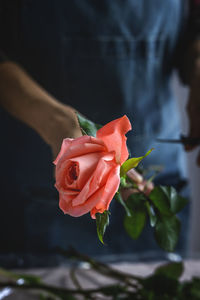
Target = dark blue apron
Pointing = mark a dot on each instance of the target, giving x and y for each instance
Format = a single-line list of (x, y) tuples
[(106, 59)]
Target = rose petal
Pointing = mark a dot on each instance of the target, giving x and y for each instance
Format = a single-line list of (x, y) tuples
[(97, 179), (109, 192), (73, 148), (76, 147), (79, 210), (113, 135), (65, 145), (105, 165), (87, 165), (69, 192)]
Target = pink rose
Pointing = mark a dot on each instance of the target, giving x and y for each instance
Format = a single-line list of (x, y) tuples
[(88, 169)]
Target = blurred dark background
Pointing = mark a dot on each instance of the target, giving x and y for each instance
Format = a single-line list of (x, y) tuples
[(106, 59)]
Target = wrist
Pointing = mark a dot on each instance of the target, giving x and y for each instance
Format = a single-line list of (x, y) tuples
[(60, 121)]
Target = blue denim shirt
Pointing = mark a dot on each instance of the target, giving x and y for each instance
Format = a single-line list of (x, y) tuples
[(106, 59)]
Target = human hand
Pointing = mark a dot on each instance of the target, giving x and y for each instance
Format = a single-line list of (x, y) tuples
[(142, 185), (193, 108), (63, 123), (191, 74), (27, 101)]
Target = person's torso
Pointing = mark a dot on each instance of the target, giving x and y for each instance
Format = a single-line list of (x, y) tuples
[(105, 58)]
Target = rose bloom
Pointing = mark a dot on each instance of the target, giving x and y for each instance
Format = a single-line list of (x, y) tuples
[(88, 169)]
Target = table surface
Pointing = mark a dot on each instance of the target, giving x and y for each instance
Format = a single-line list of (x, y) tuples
[(60, 276)]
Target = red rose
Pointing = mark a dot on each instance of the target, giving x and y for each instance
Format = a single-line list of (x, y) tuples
[(88, 169)]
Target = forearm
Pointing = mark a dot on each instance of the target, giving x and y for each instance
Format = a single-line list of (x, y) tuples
[(22, 97)]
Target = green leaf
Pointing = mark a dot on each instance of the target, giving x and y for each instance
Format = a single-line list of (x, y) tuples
[(136, 201), (135, 223), (176, 202), (113, 290), (119, 198), (162, 286), (172, 270), (167, 231), (161, 200), (132, 163), (123, 181), (151, 213), (179, 204), (190, 289), (102, 221), (195, 288), (126, 182), (166, 200), (88, 127)]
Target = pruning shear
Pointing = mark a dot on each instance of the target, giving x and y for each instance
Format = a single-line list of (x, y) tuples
[(185, 140)]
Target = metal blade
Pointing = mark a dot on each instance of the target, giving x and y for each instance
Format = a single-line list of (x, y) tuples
[(178, 141), (183, 140)]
